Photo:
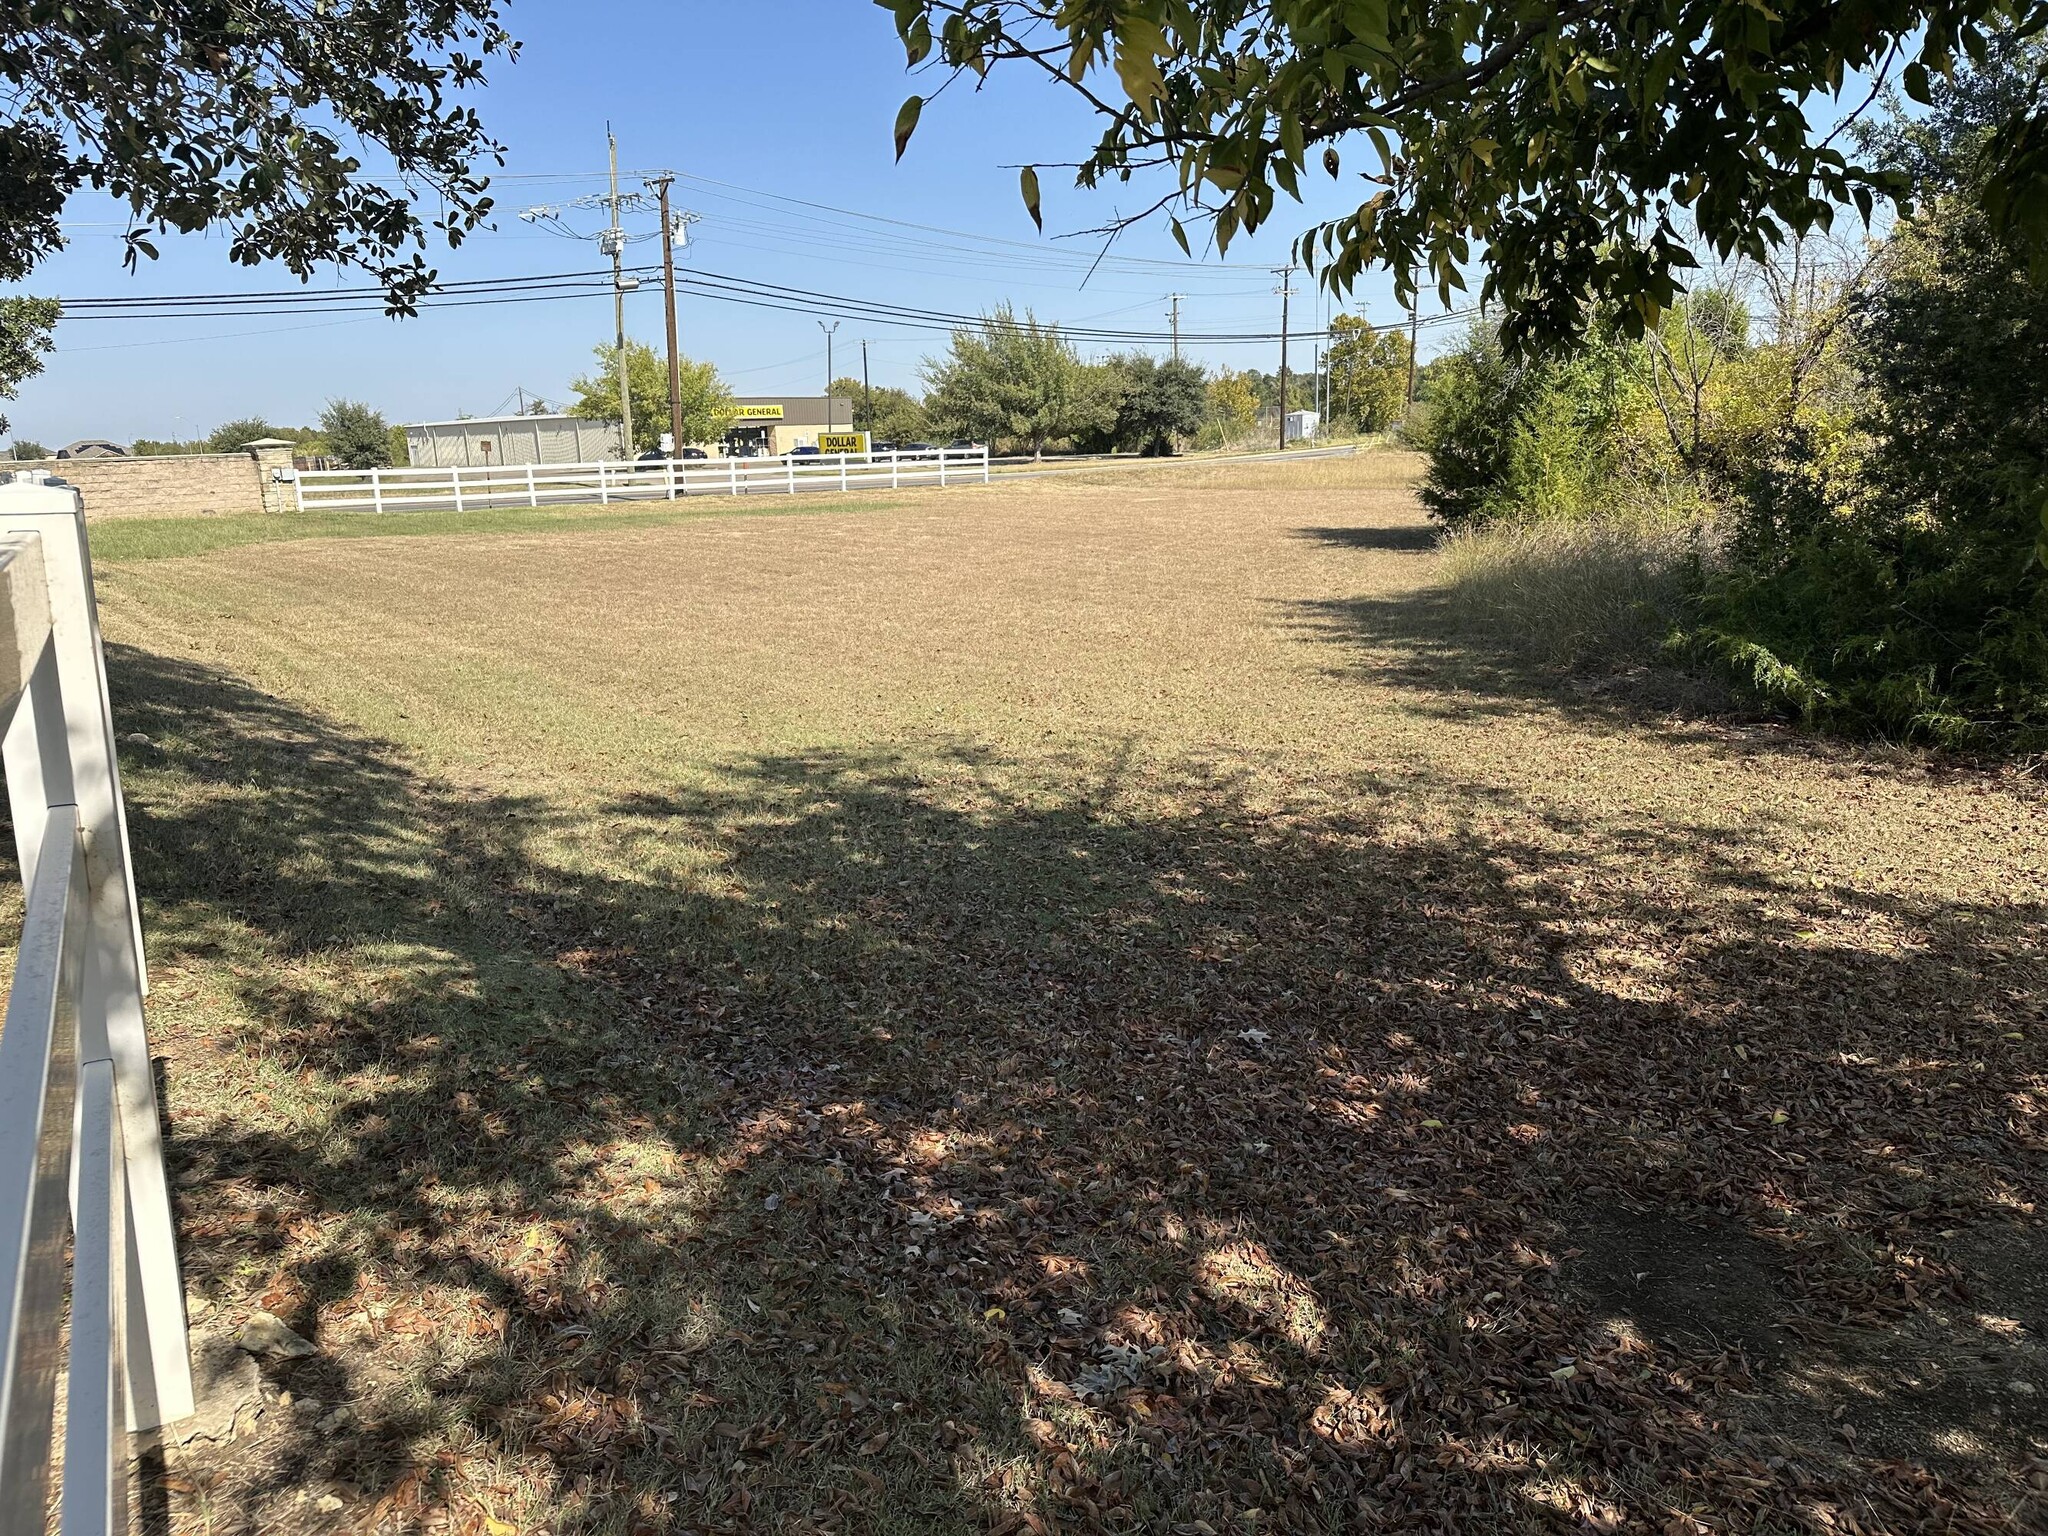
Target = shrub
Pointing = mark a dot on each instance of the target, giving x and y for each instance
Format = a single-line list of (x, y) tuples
[(1513, 440), (1893, 584)]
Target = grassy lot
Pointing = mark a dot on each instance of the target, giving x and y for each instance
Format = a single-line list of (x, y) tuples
[(1065, 1007), (167, 538)]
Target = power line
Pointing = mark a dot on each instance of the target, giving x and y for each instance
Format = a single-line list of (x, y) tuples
[(548, 287)]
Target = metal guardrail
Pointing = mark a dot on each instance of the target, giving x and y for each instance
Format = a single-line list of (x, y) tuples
[(537, 485), (78, 1111)]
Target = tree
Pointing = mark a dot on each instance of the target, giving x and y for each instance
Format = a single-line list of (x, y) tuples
[(1368, 372), (708, 405), (896, 416), (251, 116), (1233, 404), (1161, 403), (27, 448), (25, 326), (399, 449), (233, 436), (1568, 138), (1012, 379), (356, 435)]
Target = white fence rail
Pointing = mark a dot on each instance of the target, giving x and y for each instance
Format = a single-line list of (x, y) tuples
[(78, 1112), (539, 485)]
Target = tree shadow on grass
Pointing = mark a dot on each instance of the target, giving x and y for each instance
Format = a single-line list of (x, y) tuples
[(1402, 538), (1417, 644), (834, 1142)]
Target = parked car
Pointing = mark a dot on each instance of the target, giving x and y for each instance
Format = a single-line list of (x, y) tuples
[(917, 448), (963, 444), (656, 456), (804, 451), (881, 448)]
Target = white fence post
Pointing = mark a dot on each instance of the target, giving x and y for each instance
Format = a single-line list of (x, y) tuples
[(604, 493), (790, 465), (942, 466), (455, 480), (112, 979), (376, 491), (532, 495)]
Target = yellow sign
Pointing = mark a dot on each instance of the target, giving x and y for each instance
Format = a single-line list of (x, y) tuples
[(842, 442), (759, 413)]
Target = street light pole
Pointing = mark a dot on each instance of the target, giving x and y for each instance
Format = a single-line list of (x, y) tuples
[(830, 331)]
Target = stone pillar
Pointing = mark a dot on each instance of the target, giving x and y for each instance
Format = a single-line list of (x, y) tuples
[(275, 477)]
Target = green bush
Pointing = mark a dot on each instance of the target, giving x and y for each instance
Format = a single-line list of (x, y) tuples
[(1906, 597), (1519, 440)]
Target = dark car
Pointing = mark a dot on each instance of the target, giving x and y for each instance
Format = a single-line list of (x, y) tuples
[(963, 445), (917, 448), (881, 448), (656, 456), (804, 451)]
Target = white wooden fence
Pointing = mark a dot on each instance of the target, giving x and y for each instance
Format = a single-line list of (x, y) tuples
[(78, 1111), (538, 485)]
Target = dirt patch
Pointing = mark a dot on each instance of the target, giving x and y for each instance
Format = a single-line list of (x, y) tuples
[(1692, 1284), (1959, 1384)]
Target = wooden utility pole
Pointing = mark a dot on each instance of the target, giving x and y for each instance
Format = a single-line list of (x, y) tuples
[(867, 390), (1413, 329), (1176, 325), (668, 295), (615, 242), (1286, 292)]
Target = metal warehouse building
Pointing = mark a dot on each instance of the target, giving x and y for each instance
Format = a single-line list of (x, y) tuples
[(765, 424)]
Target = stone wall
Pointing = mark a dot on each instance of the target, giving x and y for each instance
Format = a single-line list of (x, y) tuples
[(184, 485)]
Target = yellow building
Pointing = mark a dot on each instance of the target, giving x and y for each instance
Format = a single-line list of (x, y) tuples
[(768, 425)]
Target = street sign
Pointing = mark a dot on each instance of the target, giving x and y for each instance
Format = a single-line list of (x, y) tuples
[(842, 442)]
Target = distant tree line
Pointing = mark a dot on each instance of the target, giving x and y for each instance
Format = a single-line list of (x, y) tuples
[(350, 434), (1017, 383)]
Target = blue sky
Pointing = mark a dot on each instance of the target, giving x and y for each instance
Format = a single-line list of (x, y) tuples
[(752, 105)]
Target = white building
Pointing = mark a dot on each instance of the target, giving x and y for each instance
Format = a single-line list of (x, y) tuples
[(478, 441)]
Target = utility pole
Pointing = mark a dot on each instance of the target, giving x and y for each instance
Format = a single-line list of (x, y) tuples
[(614, 241), (1176, 324), (1286, 292), (867, 391), (1319, 390), (1413, 329), (830, 331), (668, 297)]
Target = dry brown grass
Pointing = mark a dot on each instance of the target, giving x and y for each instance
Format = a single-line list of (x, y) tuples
[(1068, 1006)]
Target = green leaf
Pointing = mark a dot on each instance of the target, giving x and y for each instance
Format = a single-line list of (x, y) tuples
[(1180, 235), (906, 123), (1028, 180), (1915, 82)]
